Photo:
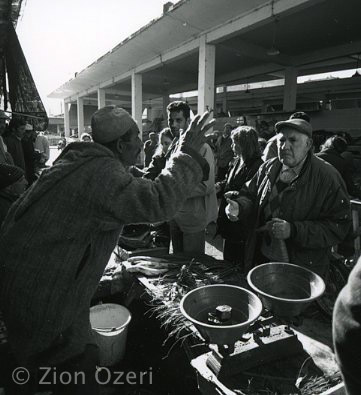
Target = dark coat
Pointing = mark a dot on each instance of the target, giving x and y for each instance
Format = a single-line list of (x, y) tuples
[(316, 205), (6, 200), (235, 180), (15, 148), (58, 238), (333, 157), (224, 151)]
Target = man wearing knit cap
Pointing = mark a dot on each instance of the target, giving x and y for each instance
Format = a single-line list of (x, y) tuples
[(58, 237), (12, 185), (297, 203)]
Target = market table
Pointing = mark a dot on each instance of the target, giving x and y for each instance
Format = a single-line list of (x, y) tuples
[(313, 371)]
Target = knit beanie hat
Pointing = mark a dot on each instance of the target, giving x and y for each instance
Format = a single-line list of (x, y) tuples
[(9, 174), (111, 122)]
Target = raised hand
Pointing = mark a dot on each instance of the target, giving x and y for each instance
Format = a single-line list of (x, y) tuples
[(194, 136)]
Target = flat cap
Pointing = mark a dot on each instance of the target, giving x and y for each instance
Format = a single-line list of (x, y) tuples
[(300, 125)]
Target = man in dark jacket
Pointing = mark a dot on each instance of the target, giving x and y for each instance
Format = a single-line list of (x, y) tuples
[(331, 152), (149, 148), (298, 202), (58, 237), (13, 138), (224, 152)]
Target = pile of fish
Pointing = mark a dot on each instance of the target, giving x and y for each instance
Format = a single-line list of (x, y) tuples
[(148, 265)]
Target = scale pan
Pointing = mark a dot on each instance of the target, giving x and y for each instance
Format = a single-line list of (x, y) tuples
[(285, 289), (198, 303)]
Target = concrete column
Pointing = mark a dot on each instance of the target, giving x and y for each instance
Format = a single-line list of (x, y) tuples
[(290, 89), (137, 100), (206, 74), (80, 111), (101, 98), (165, 104), (66, 119)]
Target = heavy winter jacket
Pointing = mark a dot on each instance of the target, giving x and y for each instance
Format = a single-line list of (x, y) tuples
[(316, 204), (236, 177), (58, 237)]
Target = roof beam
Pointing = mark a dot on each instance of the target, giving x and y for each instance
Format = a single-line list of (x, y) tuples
[(258, 52), (173, 55), (247, 21), (329, 53), (235, 76), (257, 17)]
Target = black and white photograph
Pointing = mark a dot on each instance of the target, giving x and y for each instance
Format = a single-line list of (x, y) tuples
[(180, 197)]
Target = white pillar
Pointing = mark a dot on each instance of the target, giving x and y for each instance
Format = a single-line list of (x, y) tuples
[(80, 108), (165, 105), (66, 120), (290, 89), (206, 74), (101, 98), (137, 100)]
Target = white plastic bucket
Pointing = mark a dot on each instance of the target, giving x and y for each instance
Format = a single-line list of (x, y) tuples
[(110, 324)]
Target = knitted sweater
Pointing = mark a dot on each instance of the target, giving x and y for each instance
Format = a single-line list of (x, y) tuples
[(58, 237)]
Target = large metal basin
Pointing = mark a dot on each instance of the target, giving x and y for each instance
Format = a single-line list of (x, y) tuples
[(285, 289), (246, 308)]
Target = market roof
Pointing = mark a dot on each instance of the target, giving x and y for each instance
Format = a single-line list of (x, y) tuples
[(311, 35)]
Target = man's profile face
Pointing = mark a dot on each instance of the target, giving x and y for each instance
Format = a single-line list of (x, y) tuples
[(176, 122), (132, 148), (292, 146)]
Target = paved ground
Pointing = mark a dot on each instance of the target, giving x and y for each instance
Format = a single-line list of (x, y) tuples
[(213, 244)]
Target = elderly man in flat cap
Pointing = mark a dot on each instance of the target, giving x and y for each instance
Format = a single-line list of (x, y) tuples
[(297, 204), (58, 237)]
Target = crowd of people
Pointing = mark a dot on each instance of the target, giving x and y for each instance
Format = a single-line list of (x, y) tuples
[(277, 201)]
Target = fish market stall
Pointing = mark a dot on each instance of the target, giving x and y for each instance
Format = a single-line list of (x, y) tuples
[(241, 335)]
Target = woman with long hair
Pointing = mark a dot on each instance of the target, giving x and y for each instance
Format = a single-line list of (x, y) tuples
[(248, 160)]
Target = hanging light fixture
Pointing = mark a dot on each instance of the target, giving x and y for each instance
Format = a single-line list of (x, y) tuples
[(273, 51)]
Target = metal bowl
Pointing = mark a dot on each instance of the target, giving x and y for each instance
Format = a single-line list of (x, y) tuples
[(285, 289), (198, 303)]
